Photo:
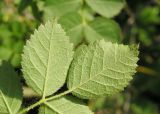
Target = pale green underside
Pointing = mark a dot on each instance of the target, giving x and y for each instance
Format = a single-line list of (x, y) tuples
[(46, 59), (65, 105), (102, 69), (10, 90)]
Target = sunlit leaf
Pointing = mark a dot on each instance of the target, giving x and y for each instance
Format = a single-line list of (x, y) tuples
[(101, 69), (46, 59)]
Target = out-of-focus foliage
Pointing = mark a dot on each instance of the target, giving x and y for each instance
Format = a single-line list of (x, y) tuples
[(14, 30), (85, 21), (139, 22)]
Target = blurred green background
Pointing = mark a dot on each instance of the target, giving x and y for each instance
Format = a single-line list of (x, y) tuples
[(140, 24)]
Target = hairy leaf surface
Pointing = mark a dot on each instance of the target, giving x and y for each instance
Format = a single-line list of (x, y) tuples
[(65, 105), (107, 8), (101, 69), (10, 90), (46, 59), (102, 28), (72, 24)]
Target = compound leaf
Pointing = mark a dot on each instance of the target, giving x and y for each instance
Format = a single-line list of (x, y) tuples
[(65, 105), (107, 8), (60, 7), (101, 69), (10, 90), (102, 28), (46, 59), (72, 24)]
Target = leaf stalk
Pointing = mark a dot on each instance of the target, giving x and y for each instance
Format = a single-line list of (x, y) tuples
[(43, 101)]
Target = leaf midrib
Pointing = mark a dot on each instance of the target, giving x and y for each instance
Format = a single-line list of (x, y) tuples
[(47, 69), (90, 78), (6, 103), (72, 89)]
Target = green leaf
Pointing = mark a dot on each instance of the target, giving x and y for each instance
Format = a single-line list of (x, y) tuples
[(101, 69), (72, 24), (46, 59), (16, 60), (107, 8), (65, 105), (60, 7), (5, 53), (10, 90), (144, 36), (102, 28), (149, 15)]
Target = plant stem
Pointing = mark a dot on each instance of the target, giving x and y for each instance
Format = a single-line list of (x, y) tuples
[(43, 101), (31, 107), (59, 95), (82, 13)]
